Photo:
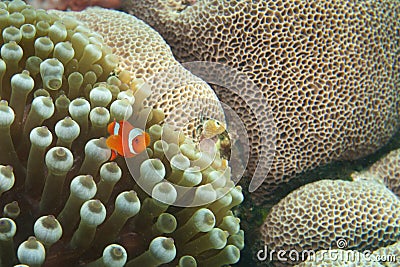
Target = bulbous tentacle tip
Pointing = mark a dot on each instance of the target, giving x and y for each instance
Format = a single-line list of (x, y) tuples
[(75, 5)]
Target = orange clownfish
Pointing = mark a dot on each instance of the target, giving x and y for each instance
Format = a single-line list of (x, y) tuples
[(126, 140)]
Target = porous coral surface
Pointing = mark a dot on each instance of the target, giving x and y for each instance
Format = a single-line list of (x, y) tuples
[(143, 52), (389, 256), (329, 70), (357, 215), (385, 170)]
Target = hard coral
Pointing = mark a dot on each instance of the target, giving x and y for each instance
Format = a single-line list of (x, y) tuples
[(63, 203), (144, 54), (385, 170), (329, 70), (356, 215), (389, 255)]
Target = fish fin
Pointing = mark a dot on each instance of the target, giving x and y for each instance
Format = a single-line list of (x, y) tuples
[(147, 139), (114, 142), (110, 127), (113, 155)]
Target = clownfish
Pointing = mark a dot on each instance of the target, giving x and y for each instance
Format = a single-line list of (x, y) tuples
[(126, 140)]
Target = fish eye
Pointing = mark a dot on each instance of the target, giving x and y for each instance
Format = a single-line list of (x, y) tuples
[(217, 123)]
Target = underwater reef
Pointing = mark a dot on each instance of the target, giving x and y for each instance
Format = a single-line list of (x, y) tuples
[(63, 201), (317, 82), (144, 54), (356, 215), (328, 71), (328, 74)]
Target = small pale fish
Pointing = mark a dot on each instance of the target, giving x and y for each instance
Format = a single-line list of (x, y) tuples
[(212, 128), (209, 128), (216, 131)]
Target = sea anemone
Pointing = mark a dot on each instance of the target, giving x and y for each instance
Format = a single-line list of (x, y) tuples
[(63, 201)]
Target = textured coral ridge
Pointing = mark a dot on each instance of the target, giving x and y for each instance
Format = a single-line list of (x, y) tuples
[(357, 215), (389, 250), (386, 170), (328, 69), (62, 202), (144, 53)]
